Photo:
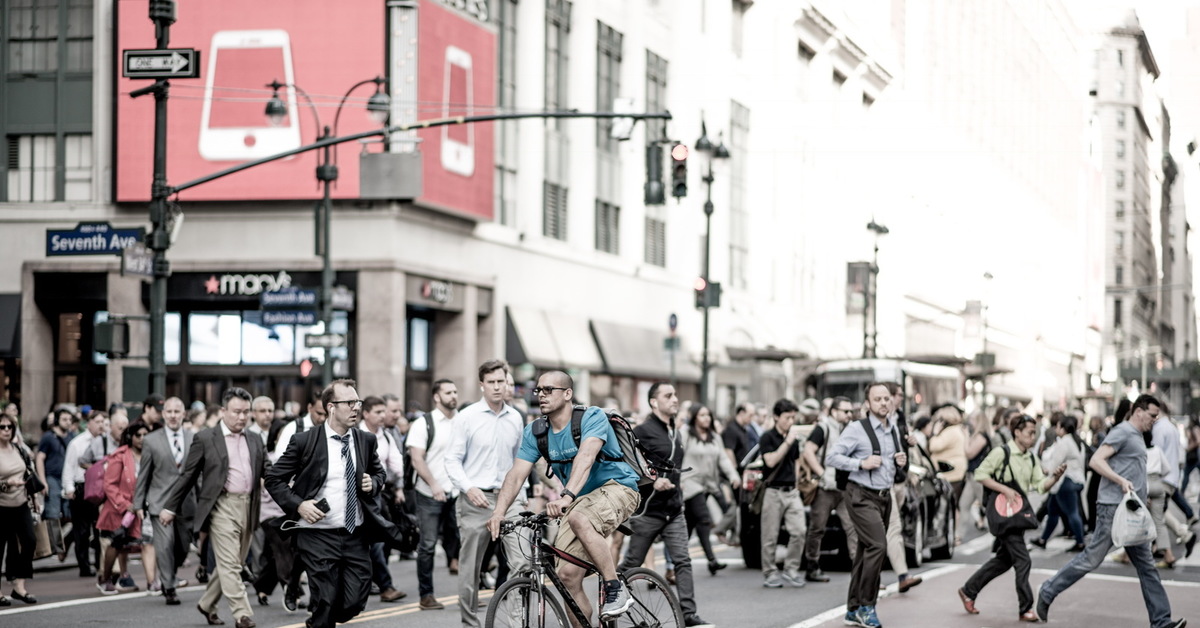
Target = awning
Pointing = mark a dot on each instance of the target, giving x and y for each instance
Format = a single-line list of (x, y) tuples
[(10, 325), (550, 340), (640, 352)]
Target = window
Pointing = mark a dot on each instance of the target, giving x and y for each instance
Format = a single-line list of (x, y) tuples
[(656, 95), (1119, 275), (1117, 313), (507, 138), (806, 54), (839, 79), (241, 337), (739, 212), (558, 35), (1120, 89), (1120, 118), (656, 241), (1120, 179), (1119, 240), (738, 25), (1120, 213), (554, 211), (608, 81), (1120, 149), (608, 226), (867, 100), (1121, 58), (46, 51)]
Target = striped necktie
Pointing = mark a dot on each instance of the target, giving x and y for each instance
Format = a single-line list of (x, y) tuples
[(177, 449), (351, 484)]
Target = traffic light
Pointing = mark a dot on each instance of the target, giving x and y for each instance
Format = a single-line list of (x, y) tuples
[(654, 192), (679, 155), (708, 293)]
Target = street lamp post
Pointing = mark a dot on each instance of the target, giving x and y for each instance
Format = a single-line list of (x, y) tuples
[(378, 107), (870, 328), (704, 145)]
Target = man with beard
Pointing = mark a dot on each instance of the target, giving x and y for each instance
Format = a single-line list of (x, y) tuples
[(435, 499)]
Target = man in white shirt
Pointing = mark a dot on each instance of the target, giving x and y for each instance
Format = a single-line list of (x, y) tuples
[(434, 496), (315, 417), (485, 442), (83, 512), (374, 412)]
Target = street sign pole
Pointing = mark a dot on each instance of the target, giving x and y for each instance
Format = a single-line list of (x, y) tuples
[(673, 323)]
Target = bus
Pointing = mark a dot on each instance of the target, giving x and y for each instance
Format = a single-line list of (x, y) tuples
[(925, 385)]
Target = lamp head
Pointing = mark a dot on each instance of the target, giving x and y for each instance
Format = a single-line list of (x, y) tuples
[(721, 152), (379, 107), (877, 228), (276, 110), (703, 144)]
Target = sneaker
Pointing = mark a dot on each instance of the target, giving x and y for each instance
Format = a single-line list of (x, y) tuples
[(155, 588), (616, 601), (773, 581), (1193, 520), (126, 584), (1038, 543), (866, 618), (290, 603), (1189, 545), (107, 588), (1043, 607), (793, 578), (430, 603), (851, 618), (1178, 623), (816, 575), (694, 620), (1028, 617)]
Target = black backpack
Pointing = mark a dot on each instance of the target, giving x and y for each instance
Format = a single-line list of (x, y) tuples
[(843, 477), (410, 474), (646, 464)]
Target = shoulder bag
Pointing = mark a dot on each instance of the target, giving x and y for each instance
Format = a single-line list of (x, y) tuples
[(1004, 516)]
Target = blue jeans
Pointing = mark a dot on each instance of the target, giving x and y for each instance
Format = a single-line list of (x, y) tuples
[(54, 501), (433, 516), (1158, 607), (1065, 503)]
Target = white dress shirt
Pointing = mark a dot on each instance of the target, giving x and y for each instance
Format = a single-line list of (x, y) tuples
[(71, 471), (483, 446), (389, 454), (335, 483), (435, 456), (285, 436)]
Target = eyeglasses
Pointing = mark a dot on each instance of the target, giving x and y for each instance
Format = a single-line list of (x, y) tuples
[(7, 426), (353, 403), (547, 390)]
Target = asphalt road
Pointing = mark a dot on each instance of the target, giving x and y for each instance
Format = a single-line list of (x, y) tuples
[(733, 598)]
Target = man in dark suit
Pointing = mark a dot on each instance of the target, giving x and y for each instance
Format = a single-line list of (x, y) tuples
[(227, 505), (163, 454), (329, 480)]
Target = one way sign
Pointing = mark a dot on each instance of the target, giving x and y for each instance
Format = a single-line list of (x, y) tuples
[(153, 64)]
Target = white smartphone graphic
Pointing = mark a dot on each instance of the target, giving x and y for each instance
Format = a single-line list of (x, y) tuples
[(233, 125), (458, 99)]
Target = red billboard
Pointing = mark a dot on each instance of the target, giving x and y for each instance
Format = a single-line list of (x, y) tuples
[(219, 119)]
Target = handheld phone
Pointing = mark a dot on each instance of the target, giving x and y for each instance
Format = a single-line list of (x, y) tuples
[(240, 65), (458, 99), (323, 505)]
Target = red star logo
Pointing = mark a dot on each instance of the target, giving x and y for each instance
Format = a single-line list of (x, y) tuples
[(212, 285)]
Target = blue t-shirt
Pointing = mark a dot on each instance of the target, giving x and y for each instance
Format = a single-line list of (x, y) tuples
[(562, 447), (55, 448)]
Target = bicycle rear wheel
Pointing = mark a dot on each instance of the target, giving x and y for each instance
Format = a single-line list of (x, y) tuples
[(654, 604), (515, 606)]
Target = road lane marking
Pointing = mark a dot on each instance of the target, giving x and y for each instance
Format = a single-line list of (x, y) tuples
[(891, 590), (88, 600), (1123, 579)]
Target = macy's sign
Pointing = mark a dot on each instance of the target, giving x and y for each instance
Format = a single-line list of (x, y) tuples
[(247, 285)]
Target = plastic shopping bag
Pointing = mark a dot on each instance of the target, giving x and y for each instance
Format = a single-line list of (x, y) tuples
[(1132, 523)]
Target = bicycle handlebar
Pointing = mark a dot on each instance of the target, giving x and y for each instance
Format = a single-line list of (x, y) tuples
[(527, 520)]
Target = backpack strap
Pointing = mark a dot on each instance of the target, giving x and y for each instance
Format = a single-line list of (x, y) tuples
[(577, 424), (429, 430), (540, 428)]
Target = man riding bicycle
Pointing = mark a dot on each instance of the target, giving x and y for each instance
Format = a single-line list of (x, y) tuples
[(599, 493)]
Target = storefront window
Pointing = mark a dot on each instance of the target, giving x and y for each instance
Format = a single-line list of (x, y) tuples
[(266, 344), (215, 338), (418, 344)]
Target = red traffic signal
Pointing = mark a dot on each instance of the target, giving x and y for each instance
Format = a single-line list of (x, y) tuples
[(679, 155)]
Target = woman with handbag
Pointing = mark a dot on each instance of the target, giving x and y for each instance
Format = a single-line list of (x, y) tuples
[(704, 454), (1009, 473), (119, 525), (1064, 500), (18, 484)]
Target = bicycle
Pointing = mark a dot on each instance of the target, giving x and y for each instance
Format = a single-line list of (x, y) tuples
[(523, 602)]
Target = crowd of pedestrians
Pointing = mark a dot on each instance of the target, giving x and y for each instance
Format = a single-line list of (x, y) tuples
[(314, 505)]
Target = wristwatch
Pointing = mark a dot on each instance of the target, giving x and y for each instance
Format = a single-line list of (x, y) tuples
[(566, 492)]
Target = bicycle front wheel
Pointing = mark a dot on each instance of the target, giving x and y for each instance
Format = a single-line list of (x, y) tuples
[(654, 604), (517, 604)]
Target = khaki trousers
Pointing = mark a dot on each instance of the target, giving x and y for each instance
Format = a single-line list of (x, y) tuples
[(229, 532)]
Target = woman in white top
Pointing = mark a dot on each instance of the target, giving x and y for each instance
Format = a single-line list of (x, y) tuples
[(704, 454), (1157, 502), (1067, 449)]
